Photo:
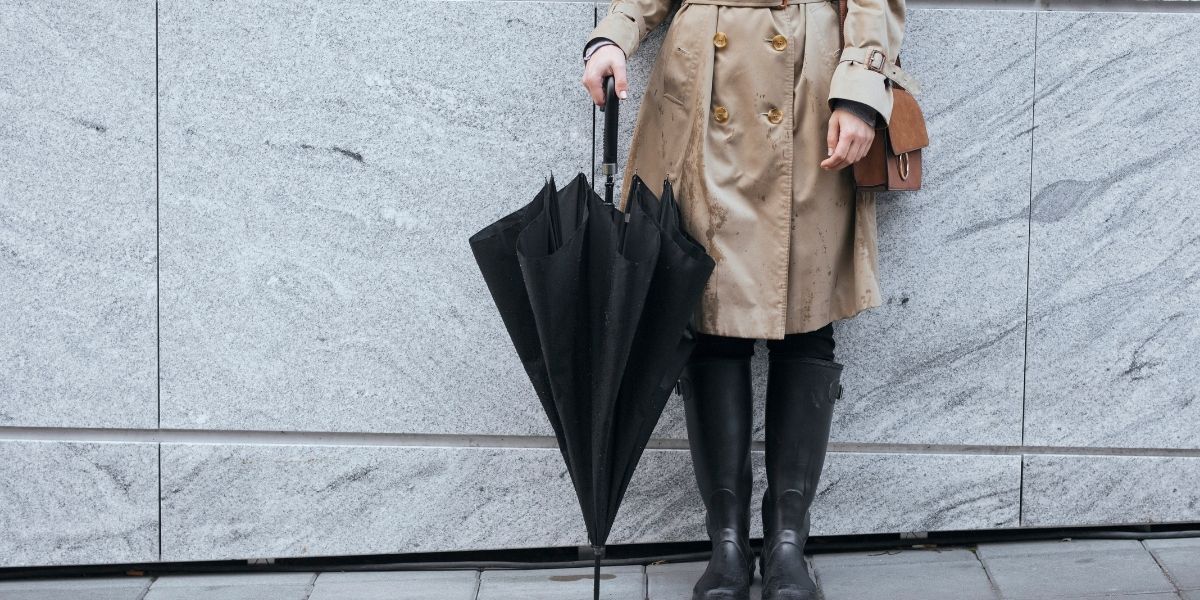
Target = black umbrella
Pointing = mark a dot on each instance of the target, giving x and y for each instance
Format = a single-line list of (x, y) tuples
[(598, 303)]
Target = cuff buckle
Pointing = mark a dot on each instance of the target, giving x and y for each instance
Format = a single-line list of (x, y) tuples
[(870, 62)]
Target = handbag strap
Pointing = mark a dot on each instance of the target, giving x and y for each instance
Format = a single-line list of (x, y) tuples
[(842, 9)]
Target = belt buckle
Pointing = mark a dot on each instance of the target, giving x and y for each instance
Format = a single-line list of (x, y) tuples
[(871, 59)]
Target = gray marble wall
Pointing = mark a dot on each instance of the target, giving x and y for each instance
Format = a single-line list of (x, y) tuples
[(241, 318)]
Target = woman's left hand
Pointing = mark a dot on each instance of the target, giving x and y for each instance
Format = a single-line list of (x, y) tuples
[(849, 139)]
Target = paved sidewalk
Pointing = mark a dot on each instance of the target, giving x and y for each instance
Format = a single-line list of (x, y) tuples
[(1167, 569)]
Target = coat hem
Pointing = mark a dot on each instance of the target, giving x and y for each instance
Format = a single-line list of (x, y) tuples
[(834, 316)]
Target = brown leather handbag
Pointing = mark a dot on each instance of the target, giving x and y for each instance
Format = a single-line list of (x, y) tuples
[(893, 162)]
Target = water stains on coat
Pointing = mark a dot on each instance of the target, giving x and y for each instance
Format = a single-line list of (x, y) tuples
[(805, 248)]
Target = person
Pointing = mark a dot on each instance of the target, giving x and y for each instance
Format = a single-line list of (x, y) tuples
[(753, 110)]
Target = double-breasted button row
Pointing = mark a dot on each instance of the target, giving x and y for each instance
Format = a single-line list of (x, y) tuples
[(721, 114), (778, 42)]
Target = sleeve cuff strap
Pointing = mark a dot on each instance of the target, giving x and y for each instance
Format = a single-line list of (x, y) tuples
[(875, 60)]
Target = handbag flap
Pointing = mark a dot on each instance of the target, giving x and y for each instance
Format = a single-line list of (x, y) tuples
[(906, 128)]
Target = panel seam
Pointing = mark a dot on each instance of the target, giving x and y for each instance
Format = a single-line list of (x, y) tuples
[(157, 280)]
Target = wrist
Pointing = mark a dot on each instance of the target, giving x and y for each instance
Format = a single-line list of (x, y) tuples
[(863, 111), (595, 45)]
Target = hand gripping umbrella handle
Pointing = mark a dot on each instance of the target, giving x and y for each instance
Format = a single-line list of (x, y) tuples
[(611, 111)]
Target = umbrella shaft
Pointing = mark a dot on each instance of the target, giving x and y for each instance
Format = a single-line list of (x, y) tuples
[(598, 552)]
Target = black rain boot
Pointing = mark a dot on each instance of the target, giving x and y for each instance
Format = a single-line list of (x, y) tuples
[(718, 397), (800, 397)]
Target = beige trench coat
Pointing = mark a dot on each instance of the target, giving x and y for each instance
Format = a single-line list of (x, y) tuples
[(735, 115)]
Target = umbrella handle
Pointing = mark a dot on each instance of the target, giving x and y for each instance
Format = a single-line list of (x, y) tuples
[(611, 110), (610, 121)]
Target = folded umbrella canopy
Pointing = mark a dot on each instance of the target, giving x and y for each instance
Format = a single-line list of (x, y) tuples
[(598, 304)]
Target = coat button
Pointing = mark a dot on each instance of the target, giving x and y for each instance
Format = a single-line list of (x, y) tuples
[(775, 115), (720, 114), (720, 39), (779, 42)]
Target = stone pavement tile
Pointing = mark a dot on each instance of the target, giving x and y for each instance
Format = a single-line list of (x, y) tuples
[(396, 585), (1181, 558), (674, 581), (232, 586), (1073, 569), (950, 574), (107, 588), (625, 582)]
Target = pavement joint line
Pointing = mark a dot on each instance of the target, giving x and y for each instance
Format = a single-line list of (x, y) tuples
[(146, 590), (986, 572), (417, 440), (312, 585), (1161, 567), (816, 575), (646, 582)]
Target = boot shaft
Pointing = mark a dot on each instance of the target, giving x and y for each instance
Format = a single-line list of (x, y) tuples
[(801, 393), (718, 401)]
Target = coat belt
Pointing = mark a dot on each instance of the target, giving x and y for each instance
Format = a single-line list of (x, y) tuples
[(762, 3)]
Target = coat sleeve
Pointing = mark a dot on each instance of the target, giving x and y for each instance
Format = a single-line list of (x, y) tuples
[(628, 22), (873, 33)]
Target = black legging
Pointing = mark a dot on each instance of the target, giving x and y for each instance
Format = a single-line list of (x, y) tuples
[(815, 344)]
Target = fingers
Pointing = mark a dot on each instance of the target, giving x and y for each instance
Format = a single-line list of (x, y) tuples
[(608, 60), (849, 142), (622, 84), (831, 136), (592, 82), (841, 154)]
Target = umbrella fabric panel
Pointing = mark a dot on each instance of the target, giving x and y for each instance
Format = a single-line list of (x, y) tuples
[(587, 295)]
